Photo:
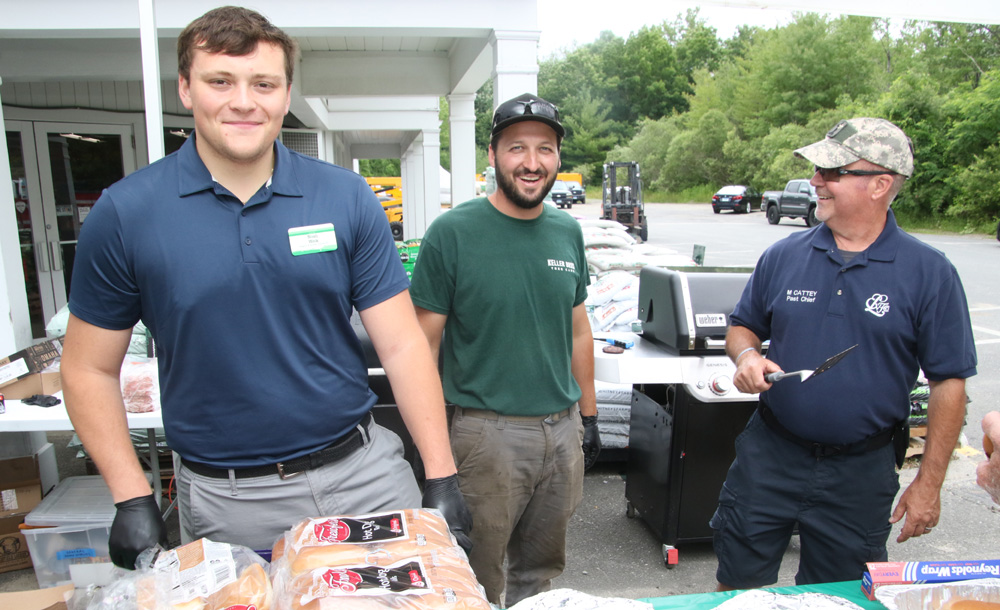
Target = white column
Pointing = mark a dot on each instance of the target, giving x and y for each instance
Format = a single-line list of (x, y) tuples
[(152, 103), (515, 61), (412, 173), (15, 323), (431, 144), (463, 146)]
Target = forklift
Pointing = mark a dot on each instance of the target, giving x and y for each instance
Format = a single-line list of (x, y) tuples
[(622, 199)]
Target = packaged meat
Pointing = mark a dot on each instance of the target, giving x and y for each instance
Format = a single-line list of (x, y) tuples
[(140, 385)]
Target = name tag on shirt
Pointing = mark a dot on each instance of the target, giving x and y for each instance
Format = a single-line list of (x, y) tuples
[(312, 239)]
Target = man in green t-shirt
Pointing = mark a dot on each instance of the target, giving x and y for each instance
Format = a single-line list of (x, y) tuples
[(504, 278)]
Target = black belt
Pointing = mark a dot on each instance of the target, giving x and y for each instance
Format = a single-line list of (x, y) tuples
[(820, 450), (337, 450)]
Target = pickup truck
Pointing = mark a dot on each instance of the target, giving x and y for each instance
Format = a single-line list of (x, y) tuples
[(798, 200)]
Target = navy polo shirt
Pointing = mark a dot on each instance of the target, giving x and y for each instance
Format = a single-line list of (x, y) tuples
[(257, 358), (901, 301)]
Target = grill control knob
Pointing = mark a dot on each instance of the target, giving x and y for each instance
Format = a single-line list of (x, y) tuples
[(720, 384)]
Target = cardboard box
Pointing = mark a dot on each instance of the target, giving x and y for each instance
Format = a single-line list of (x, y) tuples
[(48, 382), (30, 360), (884, 573), (14, 553), (39, 599), (20, 485)]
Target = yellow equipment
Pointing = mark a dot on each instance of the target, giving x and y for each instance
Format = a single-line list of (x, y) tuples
[(389, 191)]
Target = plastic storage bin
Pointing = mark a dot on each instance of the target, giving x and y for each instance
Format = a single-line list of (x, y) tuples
[(70, 553), (71, 542), (74, 501)]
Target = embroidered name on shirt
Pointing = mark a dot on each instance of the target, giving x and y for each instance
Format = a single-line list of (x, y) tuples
[(800, 296), (877, 304), (557, 265)]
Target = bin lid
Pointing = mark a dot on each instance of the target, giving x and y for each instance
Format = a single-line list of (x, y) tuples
[(75, 501)]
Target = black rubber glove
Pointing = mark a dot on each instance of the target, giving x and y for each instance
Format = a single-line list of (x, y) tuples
[(444, 495), (591, 441), (137, 526)]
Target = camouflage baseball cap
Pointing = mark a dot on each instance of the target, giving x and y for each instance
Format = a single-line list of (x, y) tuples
[(875, 140)]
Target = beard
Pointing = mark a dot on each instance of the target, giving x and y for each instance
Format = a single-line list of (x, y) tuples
[(509, 188)]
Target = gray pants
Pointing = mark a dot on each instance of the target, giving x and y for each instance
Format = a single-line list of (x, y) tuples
[(522, 478), (254, 511)]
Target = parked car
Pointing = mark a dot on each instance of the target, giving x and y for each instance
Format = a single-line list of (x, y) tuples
[(738, 198), (798, 200), (577, 193), (561, 195)]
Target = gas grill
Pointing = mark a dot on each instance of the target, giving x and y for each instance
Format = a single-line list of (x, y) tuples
[(686, 413)]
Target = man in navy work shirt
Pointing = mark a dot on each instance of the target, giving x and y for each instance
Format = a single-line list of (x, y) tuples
[(246, 260), (820, 453)]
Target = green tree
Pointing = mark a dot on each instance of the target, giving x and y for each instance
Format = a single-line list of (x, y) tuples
[(973, 150), (695, 42), (954, 53), (649, 147), (444, 114), (652, 82), (914, 104), (588, 133), (695, 156), (767, 163), (806, 65), (379, 167)]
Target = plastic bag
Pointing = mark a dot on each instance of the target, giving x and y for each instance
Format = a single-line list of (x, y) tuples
[(140, 382), (609, 286), (202, 575), (404, 559)]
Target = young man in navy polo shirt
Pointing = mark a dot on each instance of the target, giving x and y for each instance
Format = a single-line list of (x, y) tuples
[(246, 260), (819, 453)]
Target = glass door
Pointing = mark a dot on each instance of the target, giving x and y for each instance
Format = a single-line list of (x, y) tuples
[(66, 166)]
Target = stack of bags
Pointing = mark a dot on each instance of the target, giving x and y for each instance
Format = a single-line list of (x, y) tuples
[(615, 260), (403, 559), (613, 302), (614, 411), (610, 247)]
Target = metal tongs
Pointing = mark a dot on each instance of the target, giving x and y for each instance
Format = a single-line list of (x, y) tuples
[(809, 374)]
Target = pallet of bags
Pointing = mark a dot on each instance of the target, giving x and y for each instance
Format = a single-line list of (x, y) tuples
[(602, 259), (614, 412), (612, 235), (403, 559)]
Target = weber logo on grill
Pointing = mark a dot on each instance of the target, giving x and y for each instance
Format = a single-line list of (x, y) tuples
[(709, 319)]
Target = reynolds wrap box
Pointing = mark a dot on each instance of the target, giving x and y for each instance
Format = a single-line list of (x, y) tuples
[(916, 572)]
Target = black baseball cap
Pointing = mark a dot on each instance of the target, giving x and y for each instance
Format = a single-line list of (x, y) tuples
[(526, 107)]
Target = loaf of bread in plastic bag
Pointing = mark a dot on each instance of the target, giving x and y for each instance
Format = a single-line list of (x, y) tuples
[(440, 579), (349, 540)]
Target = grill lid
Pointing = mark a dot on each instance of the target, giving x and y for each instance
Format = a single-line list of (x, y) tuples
[(688, 311)]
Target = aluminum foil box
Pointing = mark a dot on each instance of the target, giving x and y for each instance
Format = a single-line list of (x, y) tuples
[(909, 572)]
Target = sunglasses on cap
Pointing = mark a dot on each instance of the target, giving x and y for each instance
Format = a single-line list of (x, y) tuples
[(519, 108), (833, 174)]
